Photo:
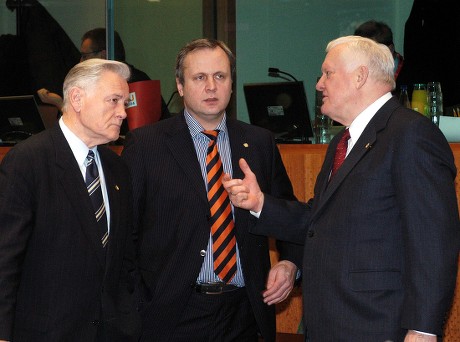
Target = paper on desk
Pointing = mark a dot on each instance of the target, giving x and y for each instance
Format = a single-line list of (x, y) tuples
[(450, 126)]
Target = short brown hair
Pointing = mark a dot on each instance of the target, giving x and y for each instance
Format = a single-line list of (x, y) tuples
[(199, 44)]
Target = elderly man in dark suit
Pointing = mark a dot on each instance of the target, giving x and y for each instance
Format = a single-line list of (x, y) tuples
[(382, 234), (66, 249), (202, 273)]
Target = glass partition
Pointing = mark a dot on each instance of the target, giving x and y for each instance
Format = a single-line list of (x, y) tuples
[(292, 36), (152, 34)]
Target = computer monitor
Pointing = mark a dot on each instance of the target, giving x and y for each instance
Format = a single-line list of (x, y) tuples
[(280, 107), (19, 118)]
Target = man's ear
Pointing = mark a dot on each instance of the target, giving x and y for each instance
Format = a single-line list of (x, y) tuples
[(180, 87), (75, 98), (362, 72)]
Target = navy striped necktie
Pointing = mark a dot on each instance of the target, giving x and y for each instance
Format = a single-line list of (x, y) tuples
[(221, 220), (93, 184)]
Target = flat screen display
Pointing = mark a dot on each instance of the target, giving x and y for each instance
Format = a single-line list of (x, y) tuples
[(280, 107), (19, 118)]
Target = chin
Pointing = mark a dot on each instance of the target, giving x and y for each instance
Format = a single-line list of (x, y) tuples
[(115, 137), (112, 137)]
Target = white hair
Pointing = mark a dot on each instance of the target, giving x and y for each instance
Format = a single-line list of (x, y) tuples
[(377, 57), (86, 74)]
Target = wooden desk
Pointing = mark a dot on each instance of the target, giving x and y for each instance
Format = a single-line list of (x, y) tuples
[(303, 163)]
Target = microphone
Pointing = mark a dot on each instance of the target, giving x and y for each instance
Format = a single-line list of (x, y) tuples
[(275, 72)]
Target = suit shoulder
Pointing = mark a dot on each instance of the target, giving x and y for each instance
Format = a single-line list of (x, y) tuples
[(157, 127), (33, 146)]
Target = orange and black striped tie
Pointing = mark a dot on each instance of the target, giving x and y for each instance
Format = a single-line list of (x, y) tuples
[(222, 225)]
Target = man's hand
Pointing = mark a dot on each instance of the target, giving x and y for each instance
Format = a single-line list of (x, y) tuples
[(280, 282), (244, 193), (51, 98)]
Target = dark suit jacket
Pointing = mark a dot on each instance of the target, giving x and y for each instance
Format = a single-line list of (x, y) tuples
[(172, 218), (382, 238), (57, 283)]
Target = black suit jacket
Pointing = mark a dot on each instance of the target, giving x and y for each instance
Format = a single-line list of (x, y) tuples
[(57, 283), (382, 237), (171, 216)]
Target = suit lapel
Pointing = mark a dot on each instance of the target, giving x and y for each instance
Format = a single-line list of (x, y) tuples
[(74, 186), (360, 149), (114, 200), (364, 144), (237, 138), (238, 147), (180, 144)]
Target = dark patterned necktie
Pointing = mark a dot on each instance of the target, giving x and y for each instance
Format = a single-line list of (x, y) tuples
[(222, 225), (340, 152), (93, 184)]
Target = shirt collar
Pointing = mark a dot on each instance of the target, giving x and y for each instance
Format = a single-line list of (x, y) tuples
[(78, 147), (360, 122), (195, 127)]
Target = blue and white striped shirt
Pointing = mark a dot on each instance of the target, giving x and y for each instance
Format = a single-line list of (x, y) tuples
[(201, 143)]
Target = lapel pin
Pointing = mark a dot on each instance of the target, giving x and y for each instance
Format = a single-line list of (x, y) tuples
[(368, 146), (117, 187), (246, 145)]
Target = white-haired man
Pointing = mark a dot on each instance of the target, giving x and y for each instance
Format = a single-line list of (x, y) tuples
[(382, 233), (65, 234)]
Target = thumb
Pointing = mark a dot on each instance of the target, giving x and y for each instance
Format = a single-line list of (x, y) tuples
[(245, 167), (270, 279)]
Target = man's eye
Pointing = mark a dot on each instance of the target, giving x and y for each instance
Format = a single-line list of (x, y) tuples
[(220, 76), (328, 74)]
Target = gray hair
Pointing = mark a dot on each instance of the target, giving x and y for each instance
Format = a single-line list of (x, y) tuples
[(86, 74), (200, 44), (378, 57)]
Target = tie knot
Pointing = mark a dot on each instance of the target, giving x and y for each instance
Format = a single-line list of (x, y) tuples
[(212, 134), (90, 155), (346, 135)]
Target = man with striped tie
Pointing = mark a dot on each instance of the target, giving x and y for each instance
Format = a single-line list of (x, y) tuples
[(202, 274), (65, 235)]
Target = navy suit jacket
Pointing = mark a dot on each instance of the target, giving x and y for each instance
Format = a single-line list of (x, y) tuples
[(382, 237), (57, 283), (171, 217)]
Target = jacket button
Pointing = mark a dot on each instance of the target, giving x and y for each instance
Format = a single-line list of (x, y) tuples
[(311, 233), (203, 253), (96, 322)]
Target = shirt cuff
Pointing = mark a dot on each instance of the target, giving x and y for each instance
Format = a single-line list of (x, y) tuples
[(256, 214), (424, 333)]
